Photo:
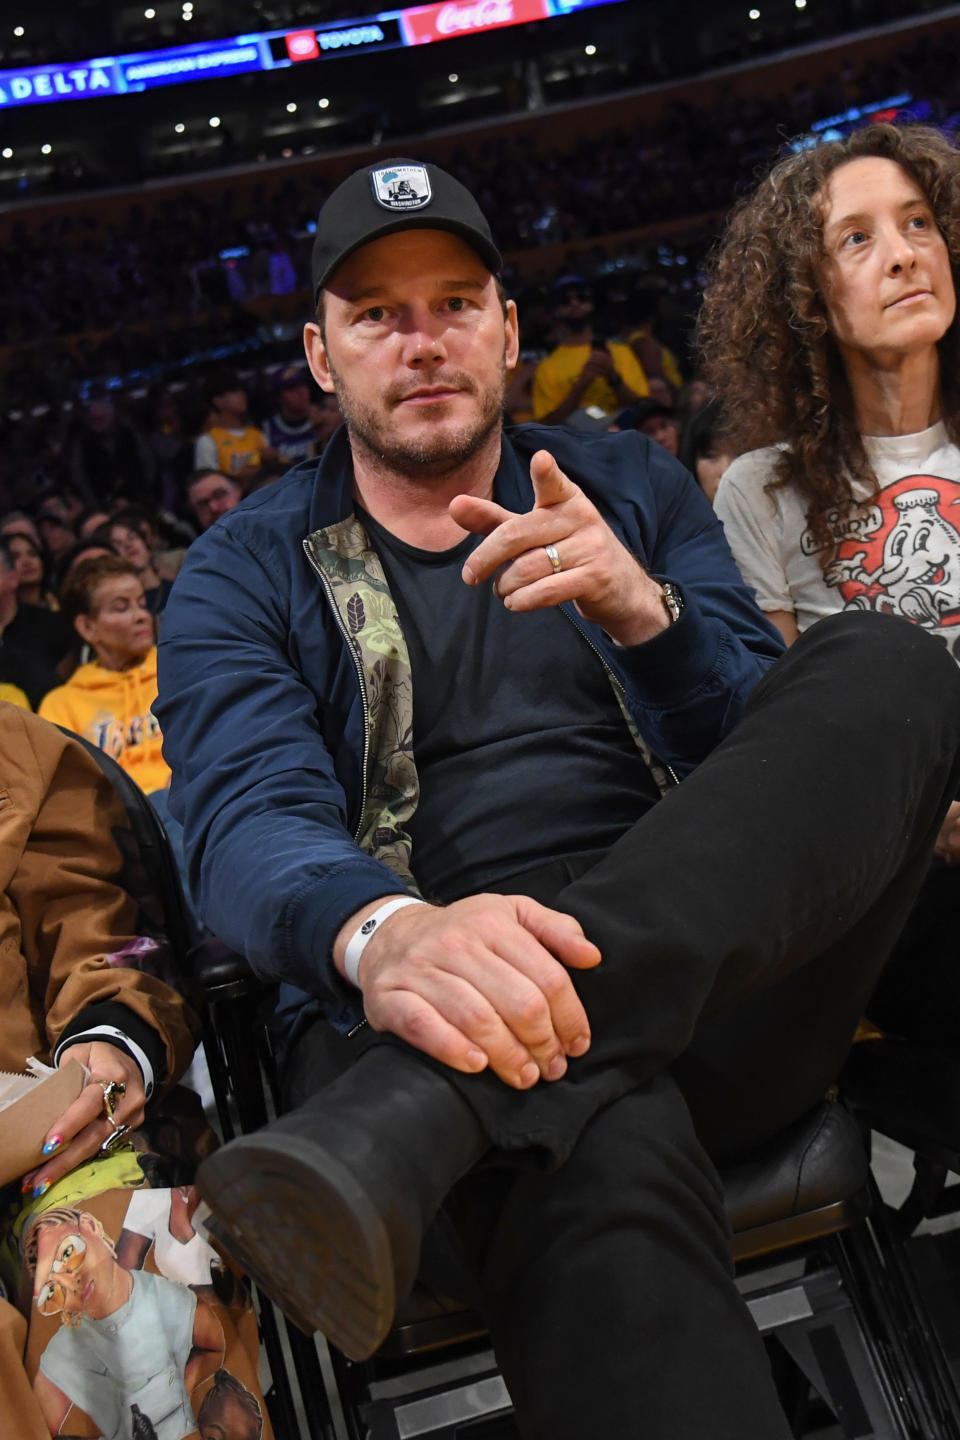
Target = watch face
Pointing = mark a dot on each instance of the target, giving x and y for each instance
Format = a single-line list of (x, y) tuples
[(672, 599)]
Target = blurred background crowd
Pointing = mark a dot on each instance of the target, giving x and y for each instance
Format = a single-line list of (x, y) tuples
[(151, 367)]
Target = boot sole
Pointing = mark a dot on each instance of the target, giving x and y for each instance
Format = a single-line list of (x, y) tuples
[(295, 1220)]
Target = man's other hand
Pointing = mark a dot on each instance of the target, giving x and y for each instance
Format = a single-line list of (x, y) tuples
[(482, 982), (606, 583)]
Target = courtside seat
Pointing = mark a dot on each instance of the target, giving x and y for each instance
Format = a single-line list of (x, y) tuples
[(807, 1182)]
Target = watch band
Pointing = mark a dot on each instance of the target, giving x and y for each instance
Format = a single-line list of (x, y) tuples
[(672, 600)]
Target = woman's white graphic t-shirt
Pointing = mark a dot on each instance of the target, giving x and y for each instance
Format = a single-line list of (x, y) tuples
[(897, 552)]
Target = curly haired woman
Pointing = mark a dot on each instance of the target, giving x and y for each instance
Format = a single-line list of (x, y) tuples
[(829, 329)]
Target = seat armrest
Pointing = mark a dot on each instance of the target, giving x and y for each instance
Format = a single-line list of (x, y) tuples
[(816, 1162), (221, 972)]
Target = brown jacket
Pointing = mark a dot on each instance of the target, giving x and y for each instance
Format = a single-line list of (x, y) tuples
[(62, 912)]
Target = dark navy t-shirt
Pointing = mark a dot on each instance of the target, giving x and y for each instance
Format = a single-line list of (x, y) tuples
[(521, 748)]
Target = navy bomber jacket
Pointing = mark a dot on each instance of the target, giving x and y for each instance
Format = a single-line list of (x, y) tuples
[(285, 698)]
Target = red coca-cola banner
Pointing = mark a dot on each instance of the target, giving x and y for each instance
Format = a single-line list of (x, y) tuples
[(467, 17), (302, 45)]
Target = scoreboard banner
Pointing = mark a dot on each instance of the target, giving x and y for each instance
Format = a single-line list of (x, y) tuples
[(468, 17), (274, 49)]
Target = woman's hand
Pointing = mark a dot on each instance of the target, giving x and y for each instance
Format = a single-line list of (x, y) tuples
[(84, 1126)]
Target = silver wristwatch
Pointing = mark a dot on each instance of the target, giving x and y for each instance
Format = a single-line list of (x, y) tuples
[(672, 600)]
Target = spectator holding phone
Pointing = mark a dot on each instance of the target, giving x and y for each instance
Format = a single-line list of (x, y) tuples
[(584, 370)]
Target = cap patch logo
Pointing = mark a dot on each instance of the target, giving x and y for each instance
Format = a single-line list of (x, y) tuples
[(401, 187)]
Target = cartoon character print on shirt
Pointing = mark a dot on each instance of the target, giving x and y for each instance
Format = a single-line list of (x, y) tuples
[(900, 555), (128, 1337)]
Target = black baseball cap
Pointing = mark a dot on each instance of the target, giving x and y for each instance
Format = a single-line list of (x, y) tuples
[(396, 195)]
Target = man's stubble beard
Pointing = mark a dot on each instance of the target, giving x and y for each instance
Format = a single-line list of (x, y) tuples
[(433, 455)]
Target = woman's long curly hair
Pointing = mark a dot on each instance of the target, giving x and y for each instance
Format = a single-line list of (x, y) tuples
[(764, 334)]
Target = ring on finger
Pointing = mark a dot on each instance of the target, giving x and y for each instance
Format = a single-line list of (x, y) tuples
[(112, 1141), (554, 558), (113, 1090)]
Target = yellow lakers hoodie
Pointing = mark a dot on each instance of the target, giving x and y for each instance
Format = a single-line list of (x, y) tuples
[(112, 708)]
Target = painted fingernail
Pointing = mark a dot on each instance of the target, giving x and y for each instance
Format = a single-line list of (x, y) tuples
[(41, 1189), (27, 1185), (556, 1068), (579, 1045), (52, 1144), (529, 1075)]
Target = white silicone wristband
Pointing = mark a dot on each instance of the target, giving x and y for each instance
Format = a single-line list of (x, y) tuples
[(360, 939)]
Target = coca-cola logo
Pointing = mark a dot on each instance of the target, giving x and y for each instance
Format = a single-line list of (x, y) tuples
[(302, 45), (460, 17), (478, 16)]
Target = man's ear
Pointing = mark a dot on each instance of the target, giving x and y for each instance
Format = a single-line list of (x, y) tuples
[(511, 325), (316, 352)]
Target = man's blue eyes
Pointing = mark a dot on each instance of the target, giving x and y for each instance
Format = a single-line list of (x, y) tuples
[(376, 313)]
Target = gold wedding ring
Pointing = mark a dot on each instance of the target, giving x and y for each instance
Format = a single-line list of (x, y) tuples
[(554, 558)]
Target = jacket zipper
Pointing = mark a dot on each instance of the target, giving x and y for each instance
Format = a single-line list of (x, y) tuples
[(615, 681), (358, 666)]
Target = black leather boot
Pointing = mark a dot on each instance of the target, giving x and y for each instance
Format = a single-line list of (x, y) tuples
[(326, 1208)]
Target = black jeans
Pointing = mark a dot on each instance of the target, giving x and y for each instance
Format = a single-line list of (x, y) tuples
[(744, 923)]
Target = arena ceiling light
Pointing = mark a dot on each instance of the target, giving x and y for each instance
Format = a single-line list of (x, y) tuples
[(150, 14), (453, 77), (214, 122), (46, 149), (179, 127), (589, 49), (7, 153), (291, 107), (754, 14), (18, 31), (324, 103), (800, 4)]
